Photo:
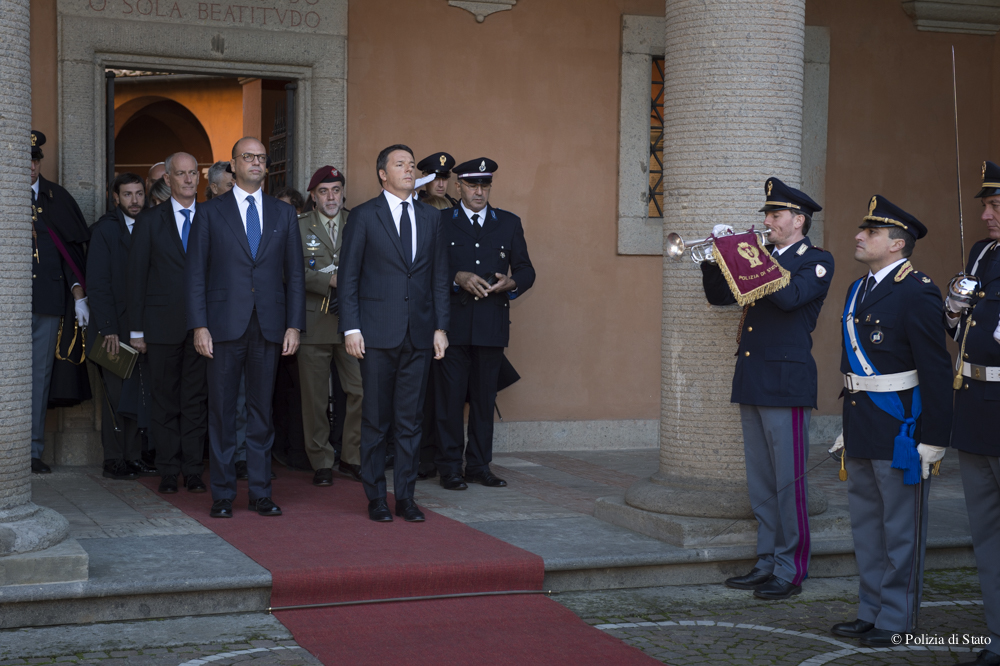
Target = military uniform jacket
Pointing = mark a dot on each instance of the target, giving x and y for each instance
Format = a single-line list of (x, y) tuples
[(56, 209), (774, 363), (498, 247), (977, 404), (320, 251), (899, 326), (107, 276)]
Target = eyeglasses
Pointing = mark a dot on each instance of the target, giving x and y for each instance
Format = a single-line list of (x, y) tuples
[(250, 157)]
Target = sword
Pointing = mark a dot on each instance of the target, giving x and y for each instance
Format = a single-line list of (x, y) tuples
[(958, 161)]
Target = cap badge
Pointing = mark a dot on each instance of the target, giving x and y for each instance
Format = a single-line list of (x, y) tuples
[(769, 186), (34, 140), (872, 204), (482, 165), (442, 160)]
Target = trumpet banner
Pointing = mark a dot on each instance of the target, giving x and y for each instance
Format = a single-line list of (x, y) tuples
[(749, 269)]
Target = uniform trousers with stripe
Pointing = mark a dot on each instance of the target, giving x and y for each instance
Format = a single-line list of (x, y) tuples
[(776, 446), (981, 479), (884, 522)]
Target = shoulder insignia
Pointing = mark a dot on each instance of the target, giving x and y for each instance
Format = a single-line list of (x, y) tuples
[(925, 280), (494, 214), (905, 269), (454, 213), (302, 215), (802, 250), (820, 270), (817, 247)]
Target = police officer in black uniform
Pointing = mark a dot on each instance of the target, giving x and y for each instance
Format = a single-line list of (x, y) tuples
[(439, 164), (897, 420), (59, 309), (488, 260), (775, 386), (975, 430)]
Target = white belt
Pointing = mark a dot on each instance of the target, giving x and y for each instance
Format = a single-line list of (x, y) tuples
[(983, 373), (899, 381)]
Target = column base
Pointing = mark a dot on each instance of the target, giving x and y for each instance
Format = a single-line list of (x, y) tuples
[(28, 528), (66, 562)]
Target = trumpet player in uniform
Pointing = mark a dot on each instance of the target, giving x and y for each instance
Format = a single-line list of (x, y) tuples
[(897, 420), (322, 231), (775, 387), (974, 321)]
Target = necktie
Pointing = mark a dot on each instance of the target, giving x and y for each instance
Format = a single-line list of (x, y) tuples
[(253, 227), (185, 228), (406, 232), (475, 224), (871, 284), (32, 195)]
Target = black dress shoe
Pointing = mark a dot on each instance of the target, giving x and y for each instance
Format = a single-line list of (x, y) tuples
[(880, 638), (323, 477), (349, 470), (265, 507), (221, 509), (378, 510), (776, 589), (118, 470), (141, 468), (168, 485), (985, 658), (453, 482), (38, 467), (427, 471), (408, 511), (751, 581), (855, 629), (486, 478), (194, 484), (242, 474)]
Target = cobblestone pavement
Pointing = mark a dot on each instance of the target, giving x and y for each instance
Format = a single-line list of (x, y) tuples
[(705, 625), (257, 652)]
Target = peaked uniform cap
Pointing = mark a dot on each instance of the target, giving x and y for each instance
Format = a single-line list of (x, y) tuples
[(991, 180), (479, 170), (436, 163), (884, 213), (778, 196), (37, 141)]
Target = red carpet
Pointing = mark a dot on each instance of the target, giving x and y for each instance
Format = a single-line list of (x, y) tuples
[(324, 549)]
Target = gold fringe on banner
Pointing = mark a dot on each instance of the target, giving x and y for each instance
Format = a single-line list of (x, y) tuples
[(759, 292)]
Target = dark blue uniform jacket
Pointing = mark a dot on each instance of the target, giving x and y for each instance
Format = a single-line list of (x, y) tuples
[(497, 248), (774, 363)]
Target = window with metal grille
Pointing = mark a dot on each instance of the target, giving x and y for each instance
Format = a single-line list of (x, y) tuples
[(656, 140)]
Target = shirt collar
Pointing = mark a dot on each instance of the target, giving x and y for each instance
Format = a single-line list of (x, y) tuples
[(395, 201), (178, 207), (885, 271), (241, 195), (129, 221), (481, 214), (36, 185)]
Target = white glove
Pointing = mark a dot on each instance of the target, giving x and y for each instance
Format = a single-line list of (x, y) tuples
[(82, 312), (928, 456), (996, 334), (837, 445), (954, 308), (722, 230)]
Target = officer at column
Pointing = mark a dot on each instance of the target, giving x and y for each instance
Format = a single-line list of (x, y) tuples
[(976, 427), (897, 420), (488, 259), (322, 232), (775, 386), (440, 165), (58, 301)]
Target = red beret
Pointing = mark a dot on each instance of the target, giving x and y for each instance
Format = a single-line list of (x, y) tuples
[(326, 174)]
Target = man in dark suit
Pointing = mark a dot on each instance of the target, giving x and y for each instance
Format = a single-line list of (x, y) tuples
[(775, 386), (393, 290), (107, 274), (246, 305), (897, 420), (489, 263), (160, 242)]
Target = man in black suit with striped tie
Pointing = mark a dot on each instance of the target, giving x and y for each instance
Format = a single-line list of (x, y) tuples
[(393, 290)]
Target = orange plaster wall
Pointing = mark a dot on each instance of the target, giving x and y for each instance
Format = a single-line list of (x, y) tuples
[(891, 132), (536, 89)]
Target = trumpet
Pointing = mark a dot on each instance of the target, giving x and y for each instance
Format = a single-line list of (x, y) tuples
[(702, 250)]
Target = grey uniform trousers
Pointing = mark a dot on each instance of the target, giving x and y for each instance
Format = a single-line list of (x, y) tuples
[(776, 446), (981, 479), (884, 523), (44, 331)]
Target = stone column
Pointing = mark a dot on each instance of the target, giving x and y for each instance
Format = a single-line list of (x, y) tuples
[(25, 528), (732, 117)]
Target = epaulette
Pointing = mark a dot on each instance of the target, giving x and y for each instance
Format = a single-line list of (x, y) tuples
[(905, 269), (301, 215), (920, 276)]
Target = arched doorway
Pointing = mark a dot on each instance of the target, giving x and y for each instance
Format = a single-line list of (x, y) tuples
[(153, 128)]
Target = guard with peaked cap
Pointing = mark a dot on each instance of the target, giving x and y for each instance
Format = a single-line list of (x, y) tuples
[(897, 419), (322, 233), (437, 174), (58, 301), (488, 261), (975, 325), (775, 386)]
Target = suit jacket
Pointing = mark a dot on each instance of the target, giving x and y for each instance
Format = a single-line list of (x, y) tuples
[(774, 363), (320, 251), (499, 247), (899, 326), (224, 284), (107, 275), (381, 292), (976, 426), (56, 210), (156, 277)]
